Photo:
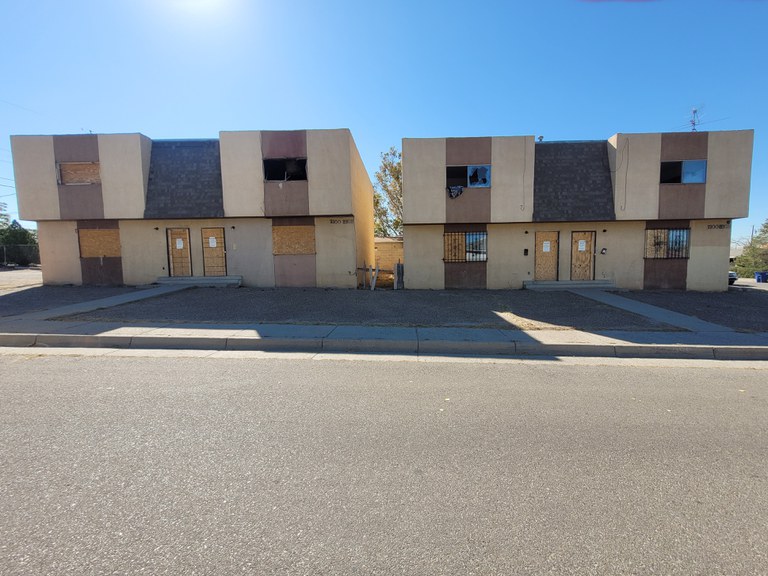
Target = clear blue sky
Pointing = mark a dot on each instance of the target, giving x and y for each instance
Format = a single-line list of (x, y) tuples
[(564, 69)]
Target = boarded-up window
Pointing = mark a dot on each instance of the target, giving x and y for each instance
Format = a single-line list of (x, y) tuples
[(293, 239), (79, 173), (99, 243)]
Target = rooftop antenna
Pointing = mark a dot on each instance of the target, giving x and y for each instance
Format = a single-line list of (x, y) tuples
[(694, 121)]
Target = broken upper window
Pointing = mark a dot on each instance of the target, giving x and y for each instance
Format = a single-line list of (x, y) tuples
[(684, 172), (282, 169), (478, 176)]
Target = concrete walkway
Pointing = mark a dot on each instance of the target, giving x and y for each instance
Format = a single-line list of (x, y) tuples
[(701, 340)]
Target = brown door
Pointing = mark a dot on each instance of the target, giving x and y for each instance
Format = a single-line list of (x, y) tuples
[(179, 261), (582, 255), (546, 255), (214, 255)]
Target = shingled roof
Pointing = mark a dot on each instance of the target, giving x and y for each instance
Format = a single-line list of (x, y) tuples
[(185, 180), (572, 182)]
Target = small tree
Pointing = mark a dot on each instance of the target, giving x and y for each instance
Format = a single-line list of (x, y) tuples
[(755, 255), (16, 234), (388, 195)]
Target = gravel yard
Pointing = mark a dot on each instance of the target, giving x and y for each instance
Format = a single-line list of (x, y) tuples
[(513, 309)]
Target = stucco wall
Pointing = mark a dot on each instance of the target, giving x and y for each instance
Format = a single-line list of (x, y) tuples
[(512, 179), (59, 252), (636, 176), (729, 170), (328, 172), (249, 249), (335, 259), (124, 188), (424, 180), (710, 249), (34, 167), (508, 266), (362, 208), (242, 173), (423, 248)]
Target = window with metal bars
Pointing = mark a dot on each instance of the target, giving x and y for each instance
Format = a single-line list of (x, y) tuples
[(465, 246), (667, 243)]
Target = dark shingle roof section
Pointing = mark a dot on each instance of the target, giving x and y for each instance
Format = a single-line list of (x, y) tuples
[(572, 182), (185, 180)]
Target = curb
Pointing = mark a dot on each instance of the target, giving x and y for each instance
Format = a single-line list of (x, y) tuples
[(387, 346)]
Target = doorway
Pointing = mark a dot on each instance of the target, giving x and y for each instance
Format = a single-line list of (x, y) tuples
[(214, 253), (547, 244), (179, 260), (582, 255)]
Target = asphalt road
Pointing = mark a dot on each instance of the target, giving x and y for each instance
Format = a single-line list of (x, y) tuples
[(213, 466)]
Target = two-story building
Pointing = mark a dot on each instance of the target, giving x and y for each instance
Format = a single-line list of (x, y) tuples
[(636, 211), (274, 208)]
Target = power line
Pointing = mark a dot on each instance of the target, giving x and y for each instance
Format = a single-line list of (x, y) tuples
[(6, 186), (6, 195)]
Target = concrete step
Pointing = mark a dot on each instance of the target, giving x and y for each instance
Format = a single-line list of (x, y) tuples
[(604, 284), (200, 281)]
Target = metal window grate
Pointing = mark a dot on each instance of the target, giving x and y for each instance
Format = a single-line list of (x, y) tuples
[(667, 243), (465, 246)]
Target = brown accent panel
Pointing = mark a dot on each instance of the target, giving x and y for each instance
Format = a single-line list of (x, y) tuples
[(214, 253), (546, 263), (684, 146), (465, 228), (298, 221), (583, 261), (98, 224), (81, 202), (179, 259), (286, 198), (474, 205), (79, 173), (76, 148), (296, 270), (663, 274), (466, 151), (293, 240), (99, 243), (102, 271), (466, 275), (662, 224), (678, 201), (284, 144)]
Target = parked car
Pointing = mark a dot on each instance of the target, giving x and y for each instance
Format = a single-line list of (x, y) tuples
[(732, 277)]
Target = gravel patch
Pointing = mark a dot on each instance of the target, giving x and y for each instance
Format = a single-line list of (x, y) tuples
[(741, 309), (513, 309), (25, 299)]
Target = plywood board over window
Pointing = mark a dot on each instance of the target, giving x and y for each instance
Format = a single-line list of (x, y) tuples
[(95, 243), (79, 173), (293, 240)]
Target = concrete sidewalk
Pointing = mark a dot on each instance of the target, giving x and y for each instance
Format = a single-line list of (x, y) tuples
[(700, 340)]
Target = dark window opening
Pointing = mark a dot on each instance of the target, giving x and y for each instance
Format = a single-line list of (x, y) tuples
[(465, 246), (456, 176), (684, 172), (667, 243), (282, 169)]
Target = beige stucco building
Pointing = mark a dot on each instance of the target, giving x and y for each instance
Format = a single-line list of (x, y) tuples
[(276, 208), (636, 211)]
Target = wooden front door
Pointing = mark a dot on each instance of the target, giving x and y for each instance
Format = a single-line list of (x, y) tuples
[(582, 255), (214, 254), (546, 255), (179, 260)]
